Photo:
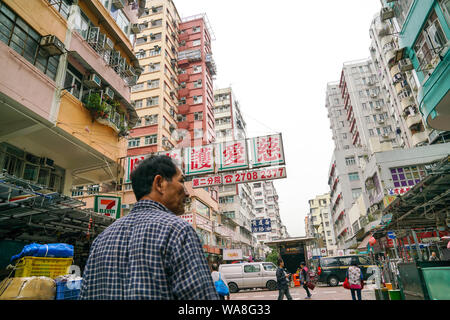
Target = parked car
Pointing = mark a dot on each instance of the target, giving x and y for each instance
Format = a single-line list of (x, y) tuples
[(249, 275), (332, 270)]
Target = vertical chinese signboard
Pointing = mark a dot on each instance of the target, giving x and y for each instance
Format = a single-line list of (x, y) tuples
[(131, 163), (199, 160), (267, 151), (108, 205)]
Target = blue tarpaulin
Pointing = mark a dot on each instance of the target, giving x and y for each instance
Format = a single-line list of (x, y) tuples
[(51, 250)]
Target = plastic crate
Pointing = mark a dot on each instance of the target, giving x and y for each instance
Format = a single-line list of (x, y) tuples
[(68, 290), (42, 267)]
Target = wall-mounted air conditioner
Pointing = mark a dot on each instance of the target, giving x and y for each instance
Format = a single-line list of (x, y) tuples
[(93, 81), (109, 45), (119, 4), (52, 45), (135, 28)]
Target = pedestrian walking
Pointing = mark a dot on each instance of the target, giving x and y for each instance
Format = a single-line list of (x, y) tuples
[(151, 253), (305, 279), (282, 281), (434, 257), (355, 280), (217, 279)]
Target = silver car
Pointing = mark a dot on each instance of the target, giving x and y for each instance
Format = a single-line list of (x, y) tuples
[(249, 275)]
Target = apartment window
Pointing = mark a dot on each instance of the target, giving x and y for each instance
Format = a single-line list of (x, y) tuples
[(122, 21), (198, 84), (152, 139), (353, 176), (198, 116), (138, 104), (197, 69), (63, 7), (327, 224), (72, 82), (154, 67), (371, 133), (364, 106), (367, 119), (153, 101), (341, 124), (430, 42), (151, 119), (226, 199), (182, 117), (196, 29), (153, 52), (152, 84), (155, 37), (445, 6), (182, 101), (18, 35), (356, 193), (134, 142), (137, 87), (198, 99), (141, 40), (378, 131), (196, 42), (350, 161)]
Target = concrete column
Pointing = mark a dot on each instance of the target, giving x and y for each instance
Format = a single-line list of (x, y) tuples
[(419, 253), (67, 184)]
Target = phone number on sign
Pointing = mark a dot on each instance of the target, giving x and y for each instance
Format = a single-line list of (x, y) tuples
[(256, 175)]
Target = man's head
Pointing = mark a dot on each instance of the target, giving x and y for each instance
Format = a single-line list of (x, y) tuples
[(433, 254), (157, 178), (302, 265), (280, 263), (215, 267)]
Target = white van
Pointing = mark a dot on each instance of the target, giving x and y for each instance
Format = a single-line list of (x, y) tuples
[(250, 275)]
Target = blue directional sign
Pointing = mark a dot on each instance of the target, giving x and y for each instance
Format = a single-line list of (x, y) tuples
[(261, 225), (391, 235)]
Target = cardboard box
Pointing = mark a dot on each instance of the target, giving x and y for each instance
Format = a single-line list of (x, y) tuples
[(28, 288)]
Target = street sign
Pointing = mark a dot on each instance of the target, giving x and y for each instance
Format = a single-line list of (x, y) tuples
[(391, 235), (261, 225)]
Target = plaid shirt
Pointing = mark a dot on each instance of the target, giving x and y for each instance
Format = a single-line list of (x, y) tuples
[(148, 254)]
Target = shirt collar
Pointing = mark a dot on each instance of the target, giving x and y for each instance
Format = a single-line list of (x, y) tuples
[(150, 204)]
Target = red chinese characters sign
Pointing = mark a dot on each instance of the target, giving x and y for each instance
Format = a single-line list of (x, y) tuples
[(241, 177), (199, 160), (232, 156), (175, 155), (267, 151), (132, 162)]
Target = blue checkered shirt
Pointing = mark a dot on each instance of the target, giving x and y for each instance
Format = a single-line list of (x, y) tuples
[(148, 254)]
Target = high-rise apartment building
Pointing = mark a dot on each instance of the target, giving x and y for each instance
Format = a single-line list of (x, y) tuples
[(399, 82), (65, 106), (196, 70), (320, 218)]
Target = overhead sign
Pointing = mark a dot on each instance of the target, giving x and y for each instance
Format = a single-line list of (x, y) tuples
[(232, 254), (232, 156), (398, 191), (267, 151), (108, 205), (199, 160), (240, 177), (261, 225)]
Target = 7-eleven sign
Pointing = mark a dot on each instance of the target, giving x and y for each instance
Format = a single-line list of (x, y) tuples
[(108, 205)]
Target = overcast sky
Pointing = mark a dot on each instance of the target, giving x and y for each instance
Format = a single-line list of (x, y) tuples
[(278, 57)]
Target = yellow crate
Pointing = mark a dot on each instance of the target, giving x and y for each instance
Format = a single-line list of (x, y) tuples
[(42, 267)]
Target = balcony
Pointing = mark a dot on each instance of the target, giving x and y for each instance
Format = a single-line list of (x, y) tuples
[(386, 13), (407, 102), (419, 138), (413, 121), (401, 85)]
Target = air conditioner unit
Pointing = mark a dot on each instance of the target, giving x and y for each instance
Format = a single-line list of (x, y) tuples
[(109, 92), (52, 45), (109, 45), (128, 70), (435, 38), (46, 162), (92, 36), (377, 108), (386, 13), (93, 81), (119, 4), (405, 65), (135, 28)]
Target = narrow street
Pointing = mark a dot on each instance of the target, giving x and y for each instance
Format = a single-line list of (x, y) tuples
[(321, 292)]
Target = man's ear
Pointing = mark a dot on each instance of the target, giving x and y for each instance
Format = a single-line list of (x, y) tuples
[(158, 183)]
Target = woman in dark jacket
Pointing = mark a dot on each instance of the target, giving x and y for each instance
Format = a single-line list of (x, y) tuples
[(305, 279)]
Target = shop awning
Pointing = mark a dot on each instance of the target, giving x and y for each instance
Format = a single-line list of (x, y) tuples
[(364, 242), (31, 213)]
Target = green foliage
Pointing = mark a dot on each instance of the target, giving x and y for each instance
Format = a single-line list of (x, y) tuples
[(273, 256)]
